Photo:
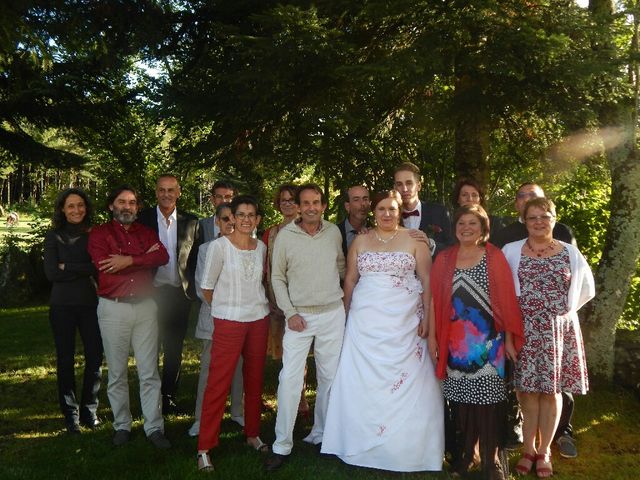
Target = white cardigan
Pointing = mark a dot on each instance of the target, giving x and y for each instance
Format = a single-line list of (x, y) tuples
[(582, 288)]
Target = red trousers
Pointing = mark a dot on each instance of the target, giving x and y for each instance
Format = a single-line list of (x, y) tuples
[(230, 340)]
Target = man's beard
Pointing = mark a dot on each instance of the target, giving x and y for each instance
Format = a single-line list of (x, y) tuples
[(124, 217)]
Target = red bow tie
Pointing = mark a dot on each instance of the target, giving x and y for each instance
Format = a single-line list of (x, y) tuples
[(410, 214)]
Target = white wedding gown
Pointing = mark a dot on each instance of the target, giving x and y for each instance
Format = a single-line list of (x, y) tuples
[(385, 405)]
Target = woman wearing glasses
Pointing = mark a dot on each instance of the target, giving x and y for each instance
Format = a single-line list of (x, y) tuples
[(552, 280), (204, 330), (284, 202), (232, 283)]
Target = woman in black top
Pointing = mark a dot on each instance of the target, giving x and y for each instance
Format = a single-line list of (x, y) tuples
[(73, 306)]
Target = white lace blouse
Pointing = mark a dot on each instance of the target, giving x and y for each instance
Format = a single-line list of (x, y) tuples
[(235, 276)]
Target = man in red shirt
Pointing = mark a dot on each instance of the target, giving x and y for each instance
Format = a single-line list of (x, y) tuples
[(125, 254)]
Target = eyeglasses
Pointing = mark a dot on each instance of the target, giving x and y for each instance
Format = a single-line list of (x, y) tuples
[(287, 201), (542, 218), (522, 195), (226, 198), (242, 216), (225, 219)]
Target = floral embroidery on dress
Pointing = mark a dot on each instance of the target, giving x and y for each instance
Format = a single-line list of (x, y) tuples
[(398, 384), (381, 430), (399, 265), (419, 351)]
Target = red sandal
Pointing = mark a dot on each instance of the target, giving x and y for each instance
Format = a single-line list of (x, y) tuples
[(525, 464), (544, 469)]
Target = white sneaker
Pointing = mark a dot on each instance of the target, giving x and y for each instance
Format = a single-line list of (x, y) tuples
[(239, 419), (313, 439), (194, 431)]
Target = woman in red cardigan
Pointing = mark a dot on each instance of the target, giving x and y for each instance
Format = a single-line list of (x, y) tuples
[(475, 323)]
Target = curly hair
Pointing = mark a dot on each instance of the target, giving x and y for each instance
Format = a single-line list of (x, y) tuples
[(60, 220), (287, 187)]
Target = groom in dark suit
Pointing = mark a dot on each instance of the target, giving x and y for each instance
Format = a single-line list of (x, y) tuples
[(432, 218), (174, 282)]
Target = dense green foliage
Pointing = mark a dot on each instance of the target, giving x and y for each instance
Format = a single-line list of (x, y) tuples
[(265, 92)]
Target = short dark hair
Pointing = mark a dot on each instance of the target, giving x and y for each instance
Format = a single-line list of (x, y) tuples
[(466, 181), (59, 218), (118, 190), (480, 213), (528, 183), (408, 167), (287, 187), (221, 207), (224, 184), (243, 200), (310, 186)]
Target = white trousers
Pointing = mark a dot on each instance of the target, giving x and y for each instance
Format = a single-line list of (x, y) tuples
[(237, 390), (124, 326), (327, 329)]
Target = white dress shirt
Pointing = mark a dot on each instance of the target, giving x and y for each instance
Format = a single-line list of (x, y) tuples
[(168, 233), (414, 220)]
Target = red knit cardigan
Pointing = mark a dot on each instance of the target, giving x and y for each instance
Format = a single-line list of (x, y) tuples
[(504, 303)]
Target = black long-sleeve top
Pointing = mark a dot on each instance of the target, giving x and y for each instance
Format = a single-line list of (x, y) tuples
[(75, 285)]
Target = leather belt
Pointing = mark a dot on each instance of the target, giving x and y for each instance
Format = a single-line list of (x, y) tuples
[(131, 300)]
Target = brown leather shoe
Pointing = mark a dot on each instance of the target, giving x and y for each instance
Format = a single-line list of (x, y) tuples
[(274, 461)]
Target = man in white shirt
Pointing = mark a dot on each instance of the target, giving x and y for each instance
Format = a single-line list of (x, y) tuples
[(175, 285)]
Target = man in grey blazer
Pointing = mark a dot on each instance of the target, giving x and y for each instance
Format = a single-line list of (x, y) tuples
[(179, 232), (221, 192)]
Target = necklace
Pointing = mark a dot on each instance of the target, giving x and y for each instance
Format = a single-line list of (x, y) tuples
[(375, 232), (541, 251)]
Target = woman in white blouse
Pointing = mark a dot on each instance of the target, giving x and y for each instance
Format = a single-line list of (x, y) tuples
[(234, 277)]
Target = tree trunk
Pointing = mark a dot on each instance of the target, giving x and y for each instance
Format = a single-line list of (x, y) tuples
[(472, 148), (622, 246), (619, 257)]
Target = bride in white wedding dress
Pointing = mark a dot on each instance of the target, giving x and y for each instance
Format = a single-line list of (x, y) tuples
[(385, 406)]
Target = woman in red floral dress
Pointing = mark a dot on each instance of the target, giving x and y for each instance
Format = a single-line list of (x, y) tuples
[(552, 280)]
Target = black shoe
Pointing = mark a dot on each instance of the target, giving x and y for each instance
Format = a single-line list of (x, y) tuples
[(169, 406), (73, 427), (121, 437), (159, 440), (274, 461), (90, 422)]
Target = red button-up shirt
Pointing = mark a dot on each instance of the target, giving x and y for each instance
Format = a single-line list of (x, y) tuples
[(137, 279)]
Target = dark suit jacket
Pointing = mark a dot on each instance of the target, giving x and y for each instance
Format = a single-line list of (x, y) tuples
[(343, 232), (435, 217), (518, 231), (189, 241)]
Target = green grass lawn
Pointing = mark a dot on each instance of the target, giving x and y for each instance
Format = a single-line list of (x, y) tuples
[(33, 443)]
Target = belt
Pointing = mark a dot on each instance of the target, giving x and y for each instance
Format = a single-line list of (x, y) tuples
[(132, 300)]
